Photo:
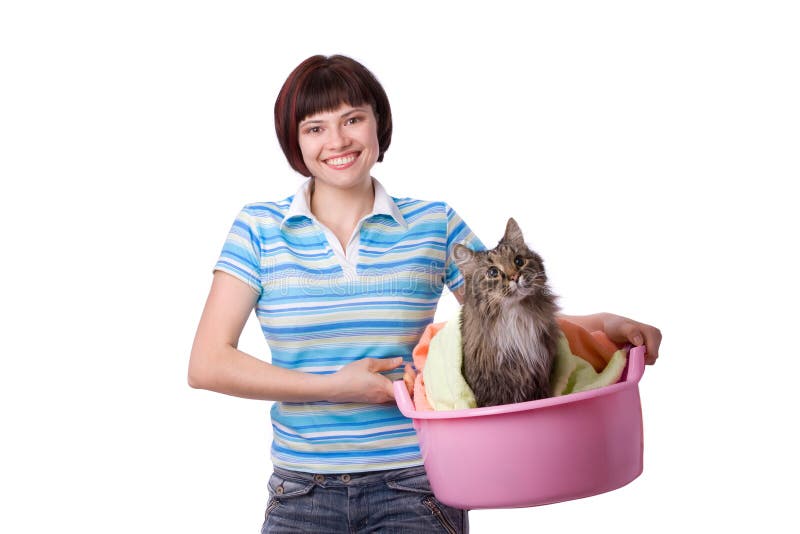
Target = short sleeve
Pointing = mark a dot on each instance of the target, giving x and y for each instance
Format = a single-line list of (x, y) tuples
[(241, 253), (457, 233)]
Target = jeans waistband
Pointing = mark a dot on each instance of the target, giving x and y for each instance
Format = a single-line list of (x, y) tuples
[(351, 479)]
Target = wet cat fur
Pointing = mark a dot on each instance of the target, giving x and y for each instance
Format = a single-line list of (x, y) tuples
[(508, 324)]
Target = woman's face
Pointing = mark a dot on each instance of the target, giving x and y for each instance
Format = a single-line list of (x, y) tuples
[(340, 147)]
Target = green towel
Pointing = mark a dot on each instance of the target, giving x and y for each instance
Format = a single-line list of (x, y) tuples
[(572, 374), (447, 390), (444, 384)]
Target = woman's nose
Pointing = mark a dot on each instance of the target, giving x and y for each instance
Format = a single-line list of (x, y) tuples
[(338, 138)]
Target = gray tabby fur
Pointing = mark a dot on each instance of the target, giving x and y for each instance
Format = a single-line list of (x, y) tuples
[(508, 321)]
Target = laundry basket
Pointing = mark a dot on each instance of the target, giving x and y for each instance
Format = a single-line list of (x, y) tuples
[(537, 452)]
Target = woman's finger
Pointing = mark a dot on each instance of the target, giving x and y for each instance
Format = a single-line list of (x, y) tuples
[(390, 389), (635, 336), (653, 342), (384, 364)]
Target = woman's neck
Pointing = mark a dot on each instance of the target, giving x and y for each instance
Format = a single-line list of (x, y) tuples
[(341, 209)]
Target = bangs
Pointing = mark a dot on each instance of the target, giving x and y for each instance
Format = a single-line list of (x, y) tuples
[(326, 90)]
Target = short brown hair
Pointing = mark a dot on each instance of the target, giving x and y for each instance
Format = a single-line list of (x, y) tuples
[(322, 84)]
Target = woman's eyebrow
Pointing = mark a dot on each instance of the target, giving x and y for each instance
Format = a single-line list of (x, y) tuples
[(343, 115), (310, 121), (354, 110)]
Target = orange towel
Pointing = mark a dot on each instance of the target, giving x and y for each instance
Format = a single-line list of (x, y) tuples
[(594, 347), (420, 354)]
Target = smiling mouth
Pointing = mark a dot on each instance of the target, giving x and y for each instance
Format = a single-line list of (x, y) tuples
[(342, 162)]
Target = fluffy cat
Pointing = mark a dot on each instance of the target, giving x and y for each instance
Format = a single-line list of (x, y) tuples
[(508, 323)]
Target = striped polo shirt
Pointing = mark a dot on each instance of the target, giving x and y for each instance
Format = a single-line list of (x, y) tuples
[(322, 306)]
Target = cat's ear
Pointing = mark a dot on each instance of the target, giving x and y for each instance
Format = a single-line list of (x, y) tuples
[(513, 234), (464, 258)]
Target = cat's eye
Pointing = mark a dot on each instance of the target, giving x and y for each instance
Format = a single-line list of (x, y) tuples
[(492, 272), (518, 261)]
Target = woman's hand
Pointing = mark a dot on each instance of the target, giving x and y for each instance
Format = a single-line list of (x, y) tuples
[(623, 330), (361, 381)]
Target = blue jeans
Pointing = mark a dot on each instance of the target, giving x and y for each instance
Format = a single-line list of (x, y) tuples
[(397, 501)]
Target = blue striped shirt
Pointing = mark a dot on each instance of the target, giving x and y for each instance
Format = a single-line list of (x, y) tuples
[(322, 306)]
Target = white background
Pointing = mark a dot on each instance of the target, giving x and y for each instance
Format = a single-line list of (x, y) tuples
[(647, 150)]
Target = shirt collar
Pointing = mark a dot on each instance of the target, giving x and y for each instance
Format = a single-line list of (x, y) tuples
[(382, 205)]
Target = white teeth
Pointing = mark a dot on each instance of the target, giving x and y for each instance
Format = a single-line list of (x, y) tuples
[(340, 161)]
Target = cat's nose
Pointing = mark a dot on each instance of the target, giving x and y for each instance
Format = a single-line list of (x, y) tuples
[(514, 277)]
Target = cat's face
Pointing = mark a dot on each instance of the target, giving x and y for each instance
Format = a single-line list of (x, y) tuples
[(511, 270)]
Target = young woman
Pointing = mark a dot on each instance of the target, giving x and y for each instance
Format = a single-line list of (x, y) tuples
[(343, 278)]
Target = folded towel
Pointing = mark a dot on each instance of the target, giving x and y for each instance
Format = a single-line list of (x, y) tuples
[(444, 384), (420, 355), (572, 373), (584, 360)]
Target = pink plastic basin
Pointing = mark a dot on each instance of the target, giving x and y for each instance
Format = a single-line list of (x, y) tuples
[(537, 452)]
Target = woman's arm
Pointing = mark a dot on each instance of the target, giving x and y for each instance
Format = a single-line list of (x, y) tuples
[(619, 329), (459, 293), (217, 365), (622, 330)]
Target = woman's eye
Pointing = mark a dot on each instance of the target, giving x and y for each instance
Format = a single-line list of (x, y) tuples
[(352, 120), (314, 130), (518, 261), (492, 272)]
